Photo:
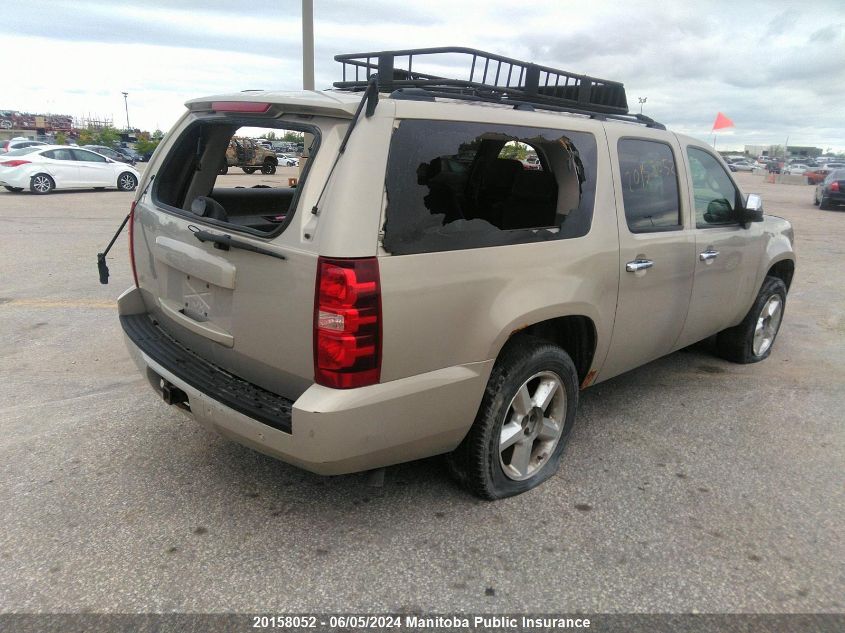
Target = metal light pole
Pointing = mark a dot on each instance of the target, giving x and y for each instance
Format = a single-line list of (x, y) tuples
[(308, 44), (307, 66), (642, 100), (126, 105)]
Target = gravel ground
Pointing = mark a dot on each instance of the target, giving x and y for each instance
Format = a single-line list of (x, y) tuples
[(689, 484)]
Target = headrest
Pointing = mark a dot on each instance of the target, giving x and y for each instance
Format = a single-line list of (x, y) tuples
[(209, 208)]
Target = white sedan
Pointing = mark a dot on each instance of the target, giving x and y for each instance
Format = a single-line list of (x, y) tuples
[(795, 170), (43, 168)]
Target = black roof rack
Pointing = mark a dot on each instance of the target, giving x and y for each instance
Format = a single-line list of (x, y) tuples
[(488, 77)]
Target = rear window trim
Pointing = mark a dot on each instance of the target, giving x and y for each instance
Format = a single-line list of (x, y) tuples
[(240, 121)]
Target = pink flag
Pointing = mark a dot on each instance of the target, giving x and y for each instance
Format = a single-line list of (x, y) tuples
[(722, 121)]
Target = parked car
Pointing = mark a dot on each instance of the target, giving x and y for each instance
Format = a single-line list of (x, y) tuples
[(392, 308), (287, 160), (8, 146), (531, 163), (249, 156), (44, 168), (795, 169), (108, 152), (130, 154), (816, 175), (831, 191), (741, 165)]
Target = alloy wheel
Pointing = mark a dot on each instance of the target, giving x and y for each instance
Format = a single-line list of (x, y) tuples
[(768, 322), (532, 426)]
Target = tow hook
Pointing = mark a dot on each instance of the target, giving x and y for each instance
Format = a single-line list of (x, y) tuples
[(171, 394)]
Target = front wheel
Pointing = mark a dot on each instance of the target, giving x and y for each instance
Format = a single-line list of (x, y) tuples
[(127, 181), (824, 203), (13, 189), (751, 341), (268, 168), (525, 418), (41, 184)]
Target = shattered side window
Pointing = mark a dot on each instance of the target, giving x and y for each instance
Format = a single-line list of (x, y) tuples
[(453, 185)]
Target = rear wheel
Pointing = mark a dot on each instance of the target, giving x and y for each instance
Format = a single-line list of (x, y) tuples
[(41, 184), (224, 170), (824, 203), (751, 341), (13, 189), (525, 417), (249, 170), (127, 181)]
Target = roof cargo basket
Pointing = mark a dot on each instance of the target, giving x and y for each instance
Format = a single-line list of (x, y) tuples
[(484, 76)]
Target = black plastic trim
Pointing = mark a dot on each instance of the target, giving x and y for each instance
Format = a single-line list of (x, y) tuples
[(234, 392)]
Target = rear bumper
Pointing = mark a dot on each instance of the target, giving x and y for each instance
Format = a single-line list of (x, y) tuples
[(329, 431), (835, 197), (13, 179)]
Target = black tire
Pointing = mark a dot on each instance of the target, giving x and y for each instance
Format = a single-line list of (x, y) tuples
[(224, 170), (268, 168), (127, 181), (824, 204), (13, 189), (477, 463), (41, 184), (736, 344), (249, 170)]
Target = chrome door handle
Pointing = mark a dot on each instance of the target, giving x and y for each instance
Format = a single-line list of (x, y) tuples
[(708, 254), (638, 264)]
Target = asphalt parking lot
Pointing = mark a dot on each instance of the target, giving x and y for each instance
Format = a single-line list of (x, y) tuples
[(690, 484)]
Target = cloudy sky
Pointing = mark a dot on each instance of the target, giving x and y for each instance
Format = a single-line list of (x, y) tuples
[(776, 68)]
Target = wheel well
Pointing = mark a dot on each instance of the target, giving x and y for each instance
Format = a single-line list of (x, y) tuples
[(575, 334), (271, 159), (783, 270)]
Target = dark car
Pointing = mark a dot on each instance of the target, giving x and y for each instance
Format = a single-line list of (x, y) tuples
[(108, 152), (831, 190), (129, 153)]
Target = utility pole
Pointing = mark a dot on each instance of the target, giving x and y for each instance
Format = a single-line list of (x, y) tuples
[(126, 105), (642, 100)]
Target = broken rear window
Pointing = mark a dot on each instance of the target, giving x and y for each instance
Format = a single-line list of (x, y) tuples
[(457, 185)]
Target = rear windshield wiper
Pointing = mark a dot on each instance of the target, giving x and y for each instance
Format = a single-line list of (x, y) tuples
[(225, 242), (370, 99)]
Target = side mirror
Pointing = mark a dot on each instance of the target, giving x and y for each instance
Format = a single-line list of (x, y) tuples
[(753, 210)]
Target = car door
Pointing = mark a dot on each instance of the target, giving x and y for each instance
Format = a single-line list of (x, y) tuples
[(94, 170), (656, 249), (63, 167), (728, 253)]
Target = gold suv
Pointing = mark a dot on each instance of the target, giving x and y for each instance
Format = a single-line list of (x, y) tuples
[(422, 292)]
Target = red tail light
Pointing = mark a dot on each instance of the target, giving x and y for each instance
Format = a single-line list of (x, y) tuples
[(834, 186), (347, 323), (132, 241), (14, 163)]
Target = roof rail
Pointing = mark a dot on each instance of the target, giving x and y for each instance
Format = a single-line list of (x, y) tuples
[(488, 77)]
